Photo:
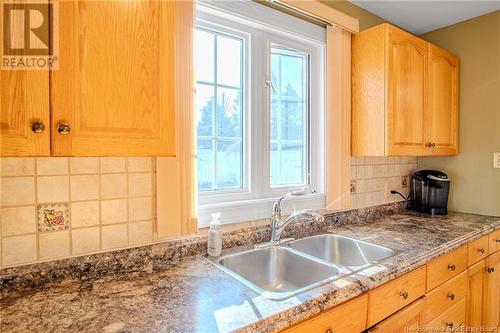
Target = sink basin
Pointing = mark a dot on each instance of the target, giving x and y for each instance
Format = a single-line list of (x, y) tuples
[(342, 251), (277, 272)]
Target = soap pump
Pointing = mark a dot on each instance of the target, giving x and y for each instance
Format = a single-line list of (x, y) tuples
[(214, 236)]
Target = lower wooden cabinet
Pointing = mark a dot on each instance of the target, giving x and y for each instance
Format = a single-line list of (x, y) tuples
[(449, 320), (475, 276), (408, 319), (491, 291), (346, 318)]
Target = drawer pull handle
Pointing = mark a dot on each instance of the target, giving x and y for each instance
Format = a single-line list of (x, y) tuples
[(451, 296), (63, 128), (490, 269), (37, 127), (452, 267), (329, 331), (480, 250), (449, 325), (497, 240), (404, 294)]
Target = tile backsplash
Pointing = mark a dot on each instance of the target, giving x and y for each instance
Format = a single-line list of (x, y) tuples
[(55, 207), (372, 179)]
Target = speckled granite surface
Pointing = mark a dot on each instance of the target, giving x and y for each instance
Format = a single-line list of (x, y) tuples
[(160, 256), (195, 296)]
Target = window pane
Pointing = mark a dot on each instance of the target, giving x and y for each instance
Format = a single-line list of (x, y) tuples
[(219, 105), (228, 112), (287, 164), (229, 56), (288, 118), (204, 45), (204, 109), (229, 157), (205, 163)]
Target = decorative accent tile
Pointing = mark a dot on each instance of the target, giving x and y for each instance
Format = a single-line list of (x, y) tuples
[(53, 217), (353, 186)]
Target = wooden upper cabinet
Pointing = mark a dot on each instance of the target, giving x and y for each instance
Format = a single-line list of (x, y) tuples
[(406, 78), (24, 104), (404, 95), (443, 101), (115, 84)]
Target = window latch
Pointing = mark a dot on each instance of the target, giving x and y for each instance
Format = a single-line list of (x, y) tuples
[(269, 83)]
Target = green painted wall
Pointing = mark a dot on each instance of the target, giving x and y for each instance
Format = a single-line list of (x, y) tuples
[(475, 186)]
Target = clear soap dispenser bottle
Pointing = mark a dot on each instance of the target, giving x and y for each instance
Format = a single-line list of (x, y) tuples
[(214, 236)]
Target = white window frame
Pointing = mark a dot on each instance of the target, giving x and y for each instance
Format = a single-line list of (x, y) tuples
[(245, 20)]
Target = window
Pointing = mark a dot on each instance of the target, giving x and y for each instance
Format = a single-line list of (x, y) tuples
[(259, 106), (219, 105)]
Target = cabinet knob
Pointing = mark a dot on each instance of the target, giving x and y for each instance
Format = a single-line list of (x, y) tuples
[(452, 267), (497, 240), (329, 331), (449, 325), (38, 127), (451, 296), (428, 144), (404, 294), (490, 269), (480, 250), (433, 144), (63, 128)]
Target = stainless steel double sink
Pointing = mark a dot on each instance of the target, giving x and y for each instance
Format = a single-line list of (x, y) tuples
[(288, 269)]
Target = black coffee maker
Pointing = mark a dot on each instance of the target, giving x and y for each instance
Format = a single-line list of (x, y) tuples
[(429, 192)]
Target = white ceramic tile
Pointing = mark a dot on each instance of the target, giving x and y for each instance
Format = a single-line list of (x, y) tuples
[(84, 165), (113, 164), (52, 189), (54, 244), (17, 191), (84, 213), (353, 172), (379, 171), (17, 166), (140, 184), (114, 186), (140, 209), (18, 220), (85, 240), (139, 164), (114, 236), (18, 249), (84, 187), (52, 166), (114, 211), (140, 232)]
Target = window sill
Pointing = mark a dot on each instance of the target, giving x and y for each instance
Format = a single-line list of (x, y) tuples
[(248, 210)]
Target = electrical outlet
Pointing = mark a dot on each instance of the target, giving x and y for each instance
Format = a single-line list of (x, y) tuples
[(404, 181), (496, 160), (353, 186)]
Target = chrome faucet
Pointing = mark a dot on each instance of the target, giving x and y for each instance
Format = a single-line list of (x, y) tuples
[(279, 224)]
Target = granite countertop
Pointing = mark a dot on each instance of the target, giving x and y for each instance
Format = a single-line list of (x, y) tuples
[(195, 296)]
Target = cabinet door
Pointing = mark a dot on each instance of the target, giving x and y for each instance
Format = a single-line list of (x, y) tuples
[(474, 315), (408, 319), (406, 79), (115, 84), (491, 303), (24, 100), (442, 102)]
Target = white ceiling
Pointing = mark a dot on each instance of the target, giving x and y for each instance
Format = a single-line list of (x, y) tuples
[(422, 16)]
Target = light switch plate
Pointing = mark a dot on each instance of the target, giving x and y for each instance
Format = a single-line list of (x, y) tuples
[(496, 160)]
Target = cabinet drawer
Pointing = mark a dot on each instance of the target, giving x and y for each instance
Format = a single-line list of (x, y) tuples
[(477, 250), (445, 267), (346, 318), (494, 241), (449, 320), (408, 319), (391, 297), (444, 296)]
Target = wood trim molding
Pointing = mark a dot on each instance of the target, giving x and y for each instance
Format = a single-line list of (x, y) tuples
[(338, 118), (324, 13), (175, 176)]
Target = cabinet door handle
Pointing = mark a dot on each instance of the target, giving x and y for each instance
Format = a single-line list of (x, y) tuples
[(451, 296), (63, 128), (38, 127), (428, 144), (480, 250), (452, 267), (329, 331), (490, 269), (449, 325), (497, 240), (433, 145), (404, 294)]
